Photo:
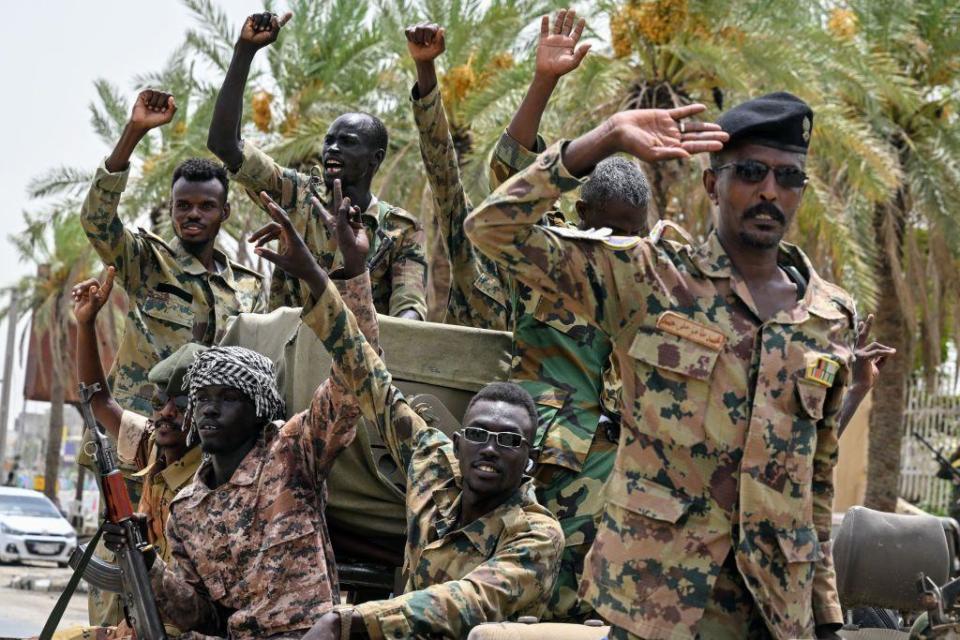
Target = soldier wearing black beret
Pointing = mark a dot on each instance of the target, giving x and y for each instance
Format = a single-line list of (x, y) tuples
[(735, 357)]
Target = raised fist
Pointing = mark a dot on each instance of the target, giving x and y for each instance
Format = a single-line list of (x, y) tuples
[(152, 109), (262, 29), (425, 41)]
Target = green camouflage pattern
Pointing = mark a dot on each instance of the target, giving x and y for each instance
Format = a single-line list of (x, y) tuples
[(257, 547), (721, 427), (560, 359), (501, 566), (397, 262), (172, 298)]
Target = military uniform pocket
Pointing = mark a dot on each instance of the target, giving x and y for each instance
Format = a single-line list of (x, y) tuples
[(214, 584), (800, 544), (803, 432), (168, 310), (647, 498), (675, 374), (490, 287)]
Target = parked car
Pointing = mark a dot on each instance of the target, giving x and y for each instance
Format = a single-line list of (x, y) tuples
[(31, 528)]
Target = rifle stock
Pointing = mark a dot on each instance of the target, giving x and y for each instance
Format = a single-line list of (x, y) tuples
[(135, 589)]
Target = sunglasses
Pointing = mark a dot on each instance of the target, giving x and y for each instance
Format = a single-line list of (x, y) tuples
[(160, 400), (754, 171), (506, 439)]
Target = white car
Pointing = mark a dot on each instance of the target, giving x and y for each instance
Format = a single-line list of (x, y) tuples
[(31, 528)]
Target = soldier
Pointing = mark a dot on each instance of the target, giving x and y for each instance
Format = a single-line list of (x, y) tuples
[(353, 150), (735, 357), (179, 291), (559, 358), (251, 552), (156, 446), (479, 547)]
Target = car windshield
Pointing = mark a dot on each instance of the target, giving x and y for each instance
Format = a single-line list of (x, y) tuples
[(27, 506)]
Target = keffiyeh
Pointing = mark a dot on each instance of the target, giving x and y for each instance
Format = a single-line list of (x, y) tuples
[(241, 368)]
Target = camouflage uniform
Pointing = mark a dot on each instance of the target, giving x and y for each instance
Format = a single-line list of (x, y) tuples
[(559, 358), (499, 566), (730, 433), (173, 299), (257, 548), (397, 263), (135, 447)]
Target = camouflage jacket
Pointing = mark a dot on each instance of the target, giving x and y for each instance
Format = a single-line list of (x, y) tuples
[(162, 482), (500, 566), (172, 297), (258, 547), (730, 422), (397, 262), (560, 358)]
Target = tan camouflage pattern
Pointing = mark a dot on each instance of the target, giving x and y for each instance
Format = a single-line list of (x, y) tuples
[(173, 299), (258, 545), (397, 259), (498, 567), (720, 429), (161, 481), (560, 359)]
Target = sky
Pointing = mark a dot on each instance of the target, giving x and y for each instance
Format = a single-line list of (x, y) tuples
[(48, 65)]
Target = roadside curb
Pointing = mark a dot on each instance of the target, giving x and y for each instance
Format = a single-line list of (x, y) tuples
[(39, 583)]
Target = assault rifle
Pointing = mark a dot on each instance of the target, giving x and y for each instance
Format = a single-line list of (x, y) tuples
[(945, 466), (130, 577)]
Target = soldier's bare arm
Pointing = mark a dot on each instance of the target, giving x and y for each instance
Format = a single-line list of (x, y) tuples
[(89, 297), (870, 358), (150, 110), (259, 30), (425, 42), (558, 54)]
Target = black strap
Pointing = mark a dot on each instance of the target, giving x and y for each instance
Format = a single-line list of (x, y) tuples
[(794, 274), (54, 620)]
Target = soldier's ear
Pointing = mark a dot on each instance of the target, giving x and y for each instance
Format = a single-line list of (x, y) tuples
[(710, 184), (456, 443), (226, 212)]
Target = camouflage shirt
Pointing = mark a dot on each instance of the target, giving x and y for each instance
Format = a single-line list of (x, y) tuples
[(499, 566), (397, 262), (162, 481), (173, 299), (730, 422), (257, 547)]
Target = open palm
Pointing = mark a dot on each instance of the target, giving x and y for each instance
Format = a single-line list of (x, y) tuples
[(557, 50)]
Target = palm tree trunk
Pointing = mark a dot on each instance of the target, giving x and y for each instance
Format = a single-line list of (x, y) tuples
[(55, 433), (889, 394)]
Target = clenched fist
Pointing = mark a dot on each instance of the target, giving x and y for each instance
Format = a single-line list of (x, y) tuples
[(262, 29), (152, 109), (425, 41)]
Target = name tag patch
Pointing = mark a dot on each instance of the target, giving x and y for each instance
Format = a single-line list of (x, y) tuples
[(678, 325)]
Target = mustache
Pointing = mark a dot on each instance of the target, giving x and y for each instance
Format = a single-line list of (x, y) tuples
[(768, 208), (172, 425)]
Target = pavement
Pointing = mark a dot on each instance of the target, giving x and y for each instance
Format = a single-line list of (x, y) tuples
[(28, 593)]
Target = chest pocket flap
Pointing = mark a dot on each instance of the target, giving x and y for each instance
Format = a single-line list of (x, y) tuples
[(646, 497), (167, 308), (673, 353)]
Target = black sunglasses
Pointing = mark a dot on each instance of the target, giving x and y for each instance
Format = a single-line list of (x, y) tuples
[(755, 171), (160, 400), (506, 439)]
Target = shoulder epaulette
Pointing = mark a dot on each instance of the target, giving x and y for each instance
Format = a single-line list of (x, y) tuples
[(152, 237), (602, 234), (236, 266), (389, 209)]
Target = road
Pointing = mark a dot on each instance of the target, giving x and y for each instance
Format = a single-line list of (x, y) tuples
[(23, 613)]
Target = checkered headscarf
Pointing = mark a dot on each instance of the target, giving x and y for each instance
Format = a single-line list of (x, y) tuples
[(241, 368)]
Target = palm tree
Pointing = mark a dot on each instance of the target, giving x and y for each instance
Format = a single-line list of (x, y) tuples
[(56, 244)]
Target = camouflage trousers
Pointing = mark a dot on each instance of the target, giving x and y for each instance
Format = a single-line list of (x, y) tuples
[(730, 613), (576, 499)]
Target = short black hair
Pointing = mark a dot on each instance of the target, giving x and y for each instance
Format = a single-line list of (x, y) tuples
[(617, 179), (378, 131), (201, 170), (511, 394)]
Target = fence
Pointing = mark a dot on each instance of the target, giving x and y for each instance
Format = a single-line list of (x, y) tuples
[(934, 413)]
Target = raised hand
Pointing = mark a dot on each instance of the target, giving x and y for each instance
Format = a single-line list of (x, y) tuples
[(557, 51), (870, 358), (152, 109), (662, 134), (347, 228), (425, 41), (294, 258), (262, 29), (90, 295)]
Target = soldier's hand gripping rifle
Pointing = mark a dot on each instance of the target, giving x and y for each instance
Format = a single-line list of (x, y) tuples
[(947, 469), (130, 577)]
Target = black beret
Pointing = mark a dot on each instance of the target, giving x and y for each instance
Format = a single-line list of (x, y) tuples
[(780, 120)]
